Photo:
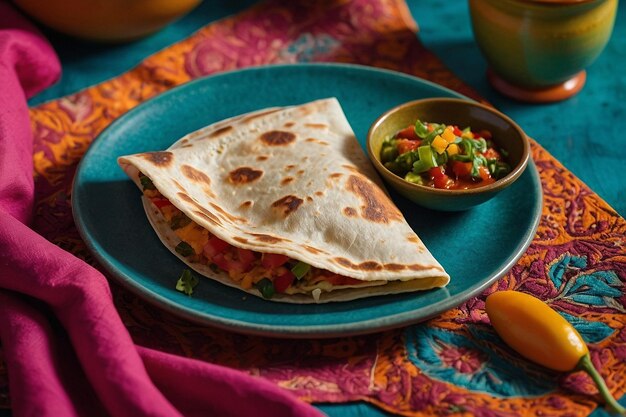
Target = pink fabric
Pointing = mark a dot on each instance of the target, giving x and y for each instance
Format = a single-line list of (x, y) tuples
[(65, 347)]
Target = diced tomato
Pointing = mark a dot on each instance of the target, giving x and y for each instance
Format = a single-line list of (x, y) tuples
[(228, 264), (223, 262), (337, 279), (461, 169), (161, 202), (246, 257), (273, 260), (492, 154), (440, 179), (442, 182), (214, 247), (220, 261), (406, 145), (283, 281), (408, 133), (484, 174), (457, 131), (437, 172)]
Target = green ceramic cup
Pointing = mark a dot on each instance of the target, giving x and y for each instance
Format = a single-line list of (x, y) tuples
[(541, 47)]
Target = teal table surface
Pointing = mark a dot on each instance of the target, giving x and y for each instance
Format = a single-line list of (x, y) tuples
[(585, 133)]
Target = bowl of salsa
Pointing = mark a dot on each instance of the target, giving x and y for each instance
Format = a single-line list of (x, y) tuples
[(447, 154)]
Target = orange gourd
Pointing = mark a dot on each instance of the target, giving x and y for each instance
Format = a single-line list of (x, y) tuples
[(106, 20)]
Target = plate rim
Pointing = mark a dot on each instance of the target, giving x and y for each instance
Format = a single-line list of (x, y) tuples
[(359, 327)]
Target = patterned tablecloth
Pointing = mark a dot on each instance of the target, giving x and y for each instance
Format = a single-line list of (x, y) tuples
[(451, 364)]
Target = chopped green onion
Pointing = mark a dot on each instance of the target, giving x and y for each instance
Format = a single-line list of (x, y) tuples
[(478, 161), (468, 151), (421, 129), (426, 154), (300, 269), (500, 170), (146, 183), (468, 147), (394, 167), (187, 282), (441, 158), (426, 160), (266, 287), (414, 178), (181, 220), (406, 160), (461, 158), (184, 248), (389, 152), (480, 145), (432, 135)]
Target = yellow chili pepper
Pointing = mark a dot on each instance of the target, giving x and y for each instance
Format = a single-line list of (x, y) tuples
[(542, 335)]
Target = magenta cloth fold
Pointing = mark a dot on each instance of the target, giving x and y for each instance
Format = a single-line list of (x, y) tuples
[(66, 350)]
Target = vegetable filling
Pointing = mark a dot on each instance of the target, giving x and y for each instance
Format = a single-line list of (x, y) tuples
[(269, 273)]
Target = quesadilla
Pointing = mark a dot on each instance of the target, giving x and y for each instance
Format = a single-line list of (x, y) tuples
[(283, 204)]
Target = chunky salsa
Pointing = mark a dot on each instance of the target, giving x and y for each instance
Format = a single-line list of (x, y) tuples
[(444, 156), (270, 273)]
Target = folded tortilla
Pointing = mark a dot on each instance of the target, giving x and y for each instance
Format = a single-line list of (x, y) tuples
[(292, 181)]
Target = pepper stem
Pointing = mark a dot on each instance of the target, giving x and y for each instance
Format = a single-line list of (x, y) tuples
[(612, 405)]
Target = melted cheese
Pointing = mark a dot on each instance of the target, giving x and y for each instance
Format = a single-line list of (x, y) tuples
[(195, 235), (169, 211)]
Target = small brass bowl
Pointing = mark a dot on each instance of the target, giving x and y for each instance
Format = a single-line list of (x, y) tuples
[(507, 135)]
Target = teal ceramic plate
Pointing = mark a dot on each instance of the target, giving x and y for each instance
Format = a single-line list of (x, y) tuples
[(476, 247)]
